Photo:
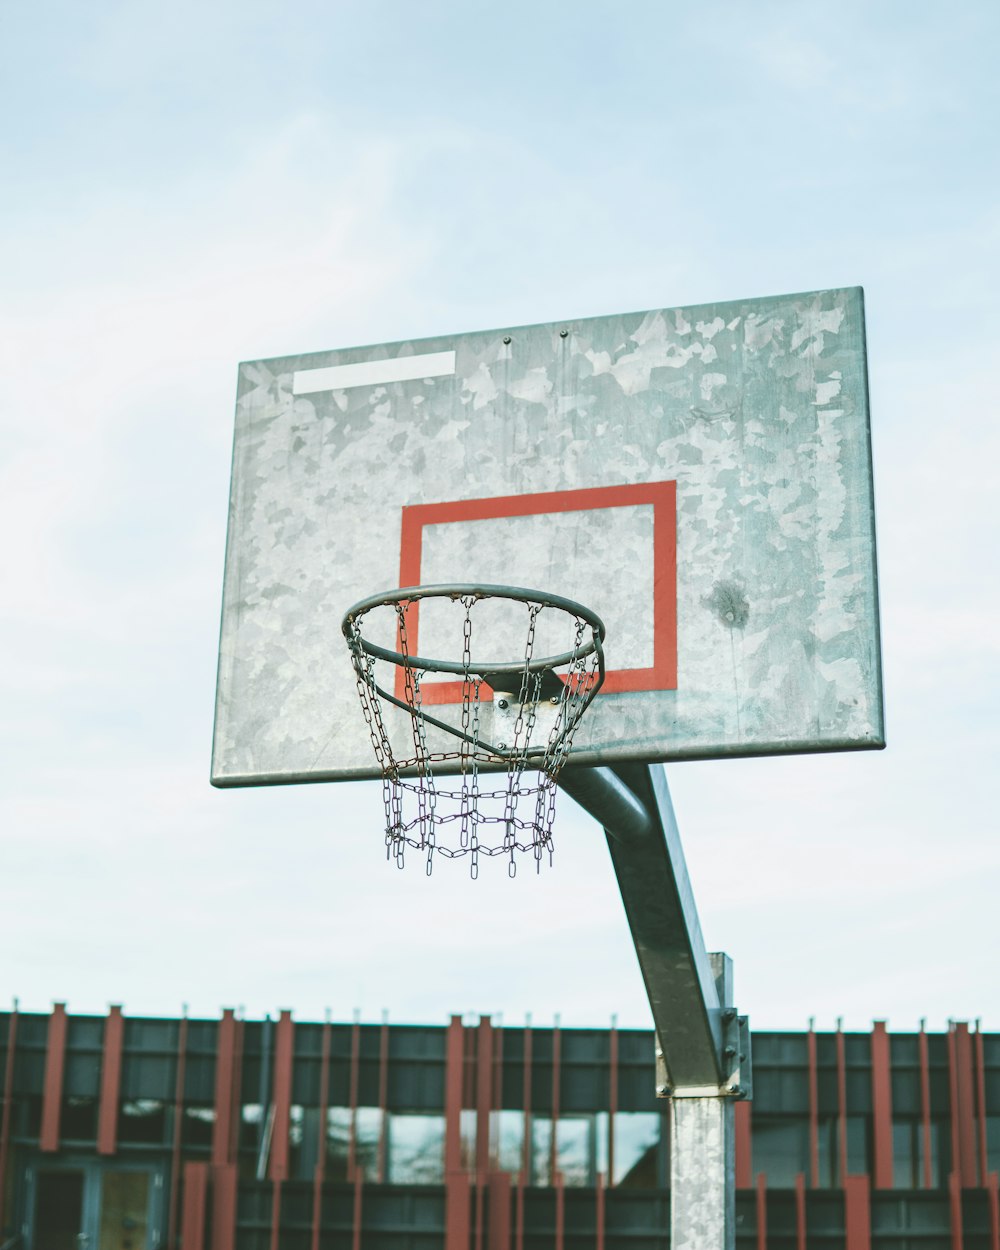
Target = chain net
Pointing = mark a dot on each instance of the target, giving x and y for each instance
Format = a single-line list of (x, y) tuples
[(482, 783)]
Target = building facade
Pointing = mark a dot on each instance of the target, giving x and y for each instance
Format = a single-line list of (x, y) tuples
[(139, 1134)]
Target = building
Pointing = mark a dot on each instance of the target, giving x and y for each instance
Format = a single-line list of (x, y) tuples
[(236, 1134)]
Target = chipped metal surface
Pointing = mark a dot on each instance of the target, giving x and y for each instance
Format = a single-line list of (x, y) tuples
[(757, 409)]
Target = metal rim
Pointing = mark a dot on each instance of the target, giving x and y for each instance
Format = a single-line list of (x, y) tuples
[(459, 590)]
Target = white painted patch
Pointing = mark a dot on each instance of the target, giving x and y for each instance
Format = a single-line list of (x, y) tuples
[(373, 372)]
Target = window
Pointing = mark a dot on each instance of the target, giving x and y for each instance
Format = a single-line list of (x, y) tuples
[(199, 1124), (415, 1154), (637, 1139), (142, 1120)]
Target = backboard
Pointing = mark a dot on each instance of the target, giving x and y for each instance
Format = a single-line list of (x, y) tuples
[(699, 477)]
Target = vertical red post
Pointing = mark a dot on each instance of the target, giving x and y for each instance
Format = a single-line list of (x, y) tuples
[(800, 1213), (556, 1083), (352, 1136), (857, 1213), (612, 1096), (813, 1107), (499, 1229), (955, 1202), (195, 1206), (761, 1211), (225, 1194), (358, 1211), (111, 1076), (841, 1106), (981, 1103), (484, 1094), (275, 1214), (882, 1105), (457, 1194), (225, 1073), (526, 1103), (177, 1142), (744, 1145), (925, 1104), (324, 1100), (383, 1095), (8, 1103), (283, 1051), (963, 1114), (55, 1066)]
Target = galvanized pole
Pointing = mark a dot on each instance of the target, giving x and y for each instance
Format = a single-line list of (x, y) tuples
[(703, 1046)]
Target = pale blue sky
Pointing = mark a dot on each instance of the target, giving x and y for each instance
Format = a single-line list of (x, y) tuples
[(191, 186)]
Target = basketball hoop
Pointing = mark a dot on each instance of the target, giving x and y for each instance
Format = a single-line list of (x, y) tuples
[(517, 716)]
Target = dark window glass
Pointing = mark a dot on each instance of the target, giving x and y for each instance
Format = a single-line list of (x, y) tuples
[(637, 1139), (142, 1120), (79, 1119), (199, 1122)]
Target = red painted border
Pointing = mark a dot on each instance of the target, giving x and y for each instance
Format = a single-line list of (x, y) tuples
[(55, 1065), (882, 1106), (111, 1076), (663, 498)]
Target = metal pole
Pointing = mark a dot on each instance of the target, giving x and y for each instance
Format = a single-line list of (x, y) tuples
[(703, 1046)]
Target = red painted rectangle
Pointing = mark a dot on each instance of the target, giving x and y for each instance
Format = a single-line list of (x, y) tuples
[(225, 1193), (195, 1206), (744, 1146), (225, 1067), (55, 1066), (761, 1211), (882, 1106), (111, 1075), (857, 1213), (662, 496), (283, 1050)]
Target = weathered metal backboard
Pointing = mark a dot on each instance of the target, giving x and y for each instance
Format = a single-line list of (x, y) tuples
[(700, 477)]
